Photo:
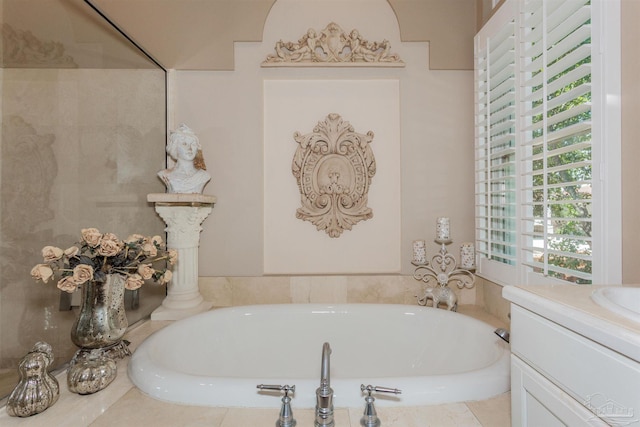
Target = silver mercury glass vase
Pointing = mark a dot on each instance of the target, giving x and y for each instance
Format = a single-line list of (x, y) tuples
[(102, 321)]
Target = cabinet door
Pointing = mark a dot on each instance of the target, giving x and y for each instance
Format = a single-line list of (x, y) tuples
[(535, 401)]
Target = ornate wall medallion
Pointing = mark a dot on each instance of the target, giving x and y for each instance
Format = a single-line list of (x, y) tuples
[(334, 166), (333, 47)]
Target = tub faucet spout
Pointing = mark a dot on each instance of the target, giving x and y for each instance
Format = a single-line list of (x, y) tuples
[(324, 393)]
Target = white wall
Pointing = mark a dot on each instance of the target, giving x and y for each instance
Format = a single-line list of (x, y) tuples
[(226, 110)]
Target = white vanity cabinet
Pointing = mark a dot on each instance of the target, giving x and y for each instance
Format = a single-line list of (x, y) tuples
[(561, 375)]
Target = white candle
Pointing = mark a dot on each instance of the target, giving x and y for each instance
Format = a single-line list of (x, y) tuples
[(467, 255), (419, 252), (442, 228)]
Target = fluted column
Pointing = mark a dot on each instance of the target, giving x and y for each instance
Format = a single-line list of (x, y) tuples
[(183, 214)]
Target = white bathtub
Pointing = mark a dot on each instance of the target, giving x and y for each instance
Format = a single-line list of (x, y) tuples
[(217, 358)]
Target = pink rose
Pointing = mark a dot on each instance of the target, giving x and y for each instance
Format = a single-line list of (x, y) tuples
[(157, 240), (146, 271), (67, 284), (134, 238), (51, 253), (173, 256), (133, 282), (82, 273), (110, 245), (150, 249), (42, 272), (166, 277), (92, 236), (72, 251)]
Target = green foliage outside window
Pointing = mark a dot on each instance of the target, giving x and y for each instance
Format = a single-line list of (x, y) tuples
[(567, 211)]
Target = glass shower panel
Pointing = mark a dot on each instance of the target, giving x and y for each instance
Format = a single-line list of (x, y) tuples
[(83, 136)]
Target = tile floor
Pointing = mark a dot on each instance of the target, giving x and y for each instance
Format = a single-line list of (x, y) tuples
[(121, 404)]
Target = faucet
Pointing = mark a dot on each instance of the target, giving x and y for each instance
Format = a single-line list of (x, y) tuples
[(324, 393)]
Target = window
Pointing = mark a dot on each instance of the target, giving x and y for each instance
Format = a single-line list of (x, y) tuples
[(540, 141)]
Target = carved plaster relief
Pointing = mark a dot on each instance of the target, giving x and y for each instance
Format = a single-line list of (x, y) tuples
[(23, 49), (332, 46), (334, 166)]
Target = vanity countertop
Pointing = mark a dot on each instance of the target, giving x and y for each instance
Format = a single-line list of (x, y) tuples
[(572, 307)]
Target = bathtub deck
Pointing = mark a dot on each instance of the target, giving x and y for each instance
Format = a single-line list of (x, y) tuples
[(123, 405)]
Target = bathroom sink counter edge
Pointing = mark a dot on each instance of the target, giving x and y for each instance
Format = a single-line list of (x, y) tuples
[(572, 307)]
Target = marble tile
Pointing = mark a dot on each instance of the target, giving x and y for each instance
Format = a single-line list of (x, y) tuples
[(376, 289), (467, 296), (138, 332), (494, 412), (239, 417), (243, 417), (260, 290), (478, 313), (451, 415), (494, 303), (411, 289), (217, 290), (479, 291), (318, 289), (135, 408)]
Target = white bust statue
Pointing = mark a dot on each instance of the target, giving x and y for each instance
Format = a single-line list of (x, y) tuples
[(189, 174)]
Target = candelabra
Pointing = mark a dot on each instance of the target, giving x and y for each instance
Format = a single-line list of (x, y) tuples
[(442, 270)]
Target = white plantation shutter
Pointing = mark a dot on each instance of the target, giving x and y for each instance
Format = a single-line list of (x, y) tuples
[(495, 149), (556, 161), (540, 141)]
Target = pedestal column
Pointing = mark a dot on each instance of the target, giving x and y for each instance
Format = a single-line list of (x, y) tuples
[(183, 214)]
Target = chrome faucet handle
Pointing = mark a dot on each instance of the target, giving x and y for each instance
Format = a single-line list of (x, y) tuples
[(370, 389), (370, 417), (286, 413)]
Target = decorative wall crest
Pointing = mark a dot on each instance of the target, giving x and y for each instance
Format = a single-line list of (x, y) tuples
[(334, 166), (332, 46), (23, 49)]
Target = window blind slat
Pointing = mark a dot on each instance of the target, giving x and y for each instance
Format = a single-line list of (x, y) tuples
[(567, 60), (552, 146)]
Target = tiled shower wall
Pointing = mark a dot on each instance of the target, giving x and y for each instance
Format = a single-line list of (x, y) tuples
[(80, 148)]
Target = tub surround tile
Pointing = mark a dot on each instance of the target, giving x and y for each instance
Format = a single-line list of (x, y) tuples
[(242, 417), (260, 290), (466, 296), (385, 289), (376, 289), (217, 290), (494, 412), (137, 409), (139, 331), (479, 287), (479, 313), (251, 417), (494, 303), (452, 415), (318, 290)]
